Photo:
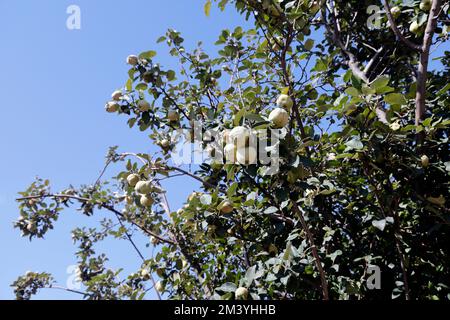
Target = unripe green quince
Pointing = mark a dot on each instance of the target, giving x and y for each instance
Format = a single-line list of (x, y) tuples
[(31, 227), (241, 293), (230, 151), (143, 187), (116, 95), (425, 161), (279, 117), (132, 179), (112, 107), (226, 207), (146, 201), (425, 5), (143, 105), (145, 274), (165, 143), (414, 27), (159, 286), (395, 12), (132, 60), (285, 101), (239, 136)]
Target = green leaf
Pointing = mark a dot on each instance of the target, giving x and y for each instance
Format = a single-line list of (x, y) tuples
[(379, 224), (351, 91), (285, 90), (230, 171), (232, 190), (395, 99), (207, 8), (348, 75), (206, 199), (384, 90), (427, 122), (409, 127), (309, 44), (340, 101), (287, 252), (170, 75), (320, 65), (354, 144), (447, 166), (132, 122), (380, 82), (147, 55), (161, 39), (238, 117), (444, 89), (367, 90), (250, 275), (131, 73), (129, 85), (141, 86), (227, 287), (254, 117), (271, 210)]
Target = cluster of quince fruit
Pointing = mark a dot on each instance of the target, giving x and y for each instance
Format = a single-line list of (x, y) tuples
[(237, 140), (142, 187)]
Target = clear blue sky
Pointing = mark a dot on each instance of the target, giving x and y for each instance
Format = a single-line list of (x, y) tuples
[(54, 83)]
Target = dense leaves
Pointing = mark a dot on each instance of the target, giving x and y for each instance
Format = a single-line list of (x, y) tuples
[(364, 164)]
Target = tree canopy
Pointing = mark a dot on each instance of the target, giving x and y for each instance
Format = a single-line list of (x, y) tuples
[(363, 161)]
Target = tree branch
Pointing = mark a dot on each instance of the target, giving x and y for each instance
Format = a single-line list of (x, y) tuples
[(130, 239), (388, 211), (397, 32), (372, 61), (102, 205), (67, 289), (317, 260), (189, 258), (423, 63), (336, 38)]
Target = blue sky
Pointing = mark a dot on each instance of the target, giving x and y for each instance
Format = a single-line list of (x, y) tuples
[(54, 83)]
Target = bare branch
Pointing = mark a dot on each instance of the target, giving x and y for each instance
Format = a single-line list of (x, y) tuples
[(372, 61)]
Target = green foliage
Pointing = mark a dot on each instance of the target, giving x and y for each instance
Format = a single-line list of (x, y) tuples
[(353, 188), (28, 285)]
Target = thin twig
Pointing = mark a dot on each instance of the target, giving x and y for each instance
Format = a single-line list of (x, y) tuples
[(130, 239), (317, 260), (102, 205)]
